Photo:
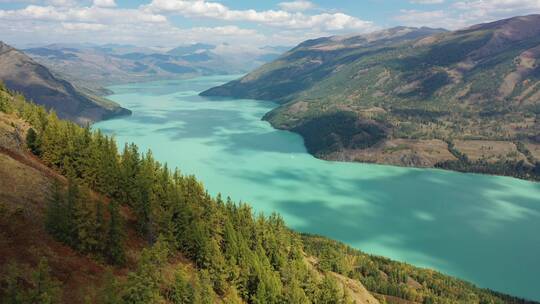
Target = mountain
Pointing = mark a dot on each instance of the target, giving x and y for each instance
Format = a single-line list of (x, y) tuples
[(22, 74), (466, 100), (190, 49), (98, 66), (123, 228)]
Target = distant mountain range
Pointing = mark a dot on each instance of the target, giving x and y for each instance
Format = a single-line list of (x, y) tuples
[(22, 74), (467, 100), (97, 66)]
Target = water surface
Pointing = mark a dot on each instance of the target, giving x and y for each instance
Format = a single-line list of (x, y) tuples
[(485, 229)]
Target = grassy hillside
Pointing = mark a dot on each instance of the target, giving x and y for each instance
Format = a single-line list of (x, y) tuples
[(22, 74), (83, 223), (406, 101)]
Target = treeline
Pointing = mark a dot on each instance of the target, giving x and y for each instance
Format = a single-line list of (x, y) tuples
[(255, 257), (76, 219), (237, 257), (513, 168), (340, 130), (386, 277)]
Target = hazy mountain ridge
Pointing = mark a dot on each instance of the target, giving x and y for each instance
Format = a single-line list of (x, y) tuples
[(22, 74), (99, 66), (385, 98)]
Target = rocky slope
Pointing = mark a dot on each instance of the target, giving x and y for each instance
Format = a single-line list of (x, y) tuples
[(22, 74), (399, 96)]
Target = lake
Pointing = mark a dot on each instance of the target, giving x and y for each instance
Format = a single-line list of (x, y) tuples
[(485, 229)]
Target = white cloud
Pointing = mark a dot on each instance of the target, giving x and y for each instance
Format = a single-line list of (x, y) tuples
[(81, 14), (437, 18), (426, 1), (275, 18), (101, 21), (104, 3), (48, 24), (296, 6), (498, 8), (468, 12), (81, 26)]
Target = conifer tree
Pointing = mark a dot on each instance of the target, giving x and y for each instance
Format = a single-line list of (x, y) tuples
[(143, 207), (204, 293), (182, 291), (12, 293), (100, 229), (45, 289), (32, 141), (115, 236), (129, 170), (69, 212), (55, 216), (143, 285), (110, 293), (85, 223), (329, 292), (52, 143), (295, 294)]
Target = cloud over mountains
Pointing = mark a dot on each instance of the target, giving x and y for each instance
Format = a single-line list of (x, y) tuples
[(168, 22)]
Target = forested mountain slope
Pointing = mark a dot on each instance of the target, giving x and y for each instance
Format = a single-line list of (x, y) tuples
[(466, 100), (22, 74), (83, 223)]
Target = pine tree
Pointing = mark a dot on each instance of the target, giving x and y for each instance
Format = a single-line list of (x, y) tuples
[(115, 237), (143, 207), (91, 165), (216, 265), (85, 224), (69, 213), (143, 285), (45, 289), (53, 142), (55, 220), (110, 292), (53, 215), (129, 170), (32, 141), (329, 292), (204, 293), (100, 229), (181, 292), (232, 297), (295, 294), (12, 293)]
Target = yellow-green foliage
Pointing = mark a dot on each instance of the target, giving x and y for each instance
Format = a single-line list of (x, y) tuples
[(237, 255)]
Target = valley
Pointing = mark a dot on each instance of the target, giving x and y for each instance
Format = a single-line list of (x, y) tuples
[(67, 239), (181, 152), (413, 215)]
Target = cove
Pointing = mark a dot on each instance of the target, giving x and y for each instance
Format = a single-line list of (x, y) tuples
[(485, 229)]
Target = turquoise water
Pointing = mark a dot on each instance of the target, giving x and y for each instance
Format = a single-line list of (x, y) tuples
[(485, 229)]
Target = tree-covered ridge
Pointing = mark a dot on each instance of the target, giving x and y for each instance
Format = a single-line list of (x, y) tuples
[(480, 83), (237, 257)]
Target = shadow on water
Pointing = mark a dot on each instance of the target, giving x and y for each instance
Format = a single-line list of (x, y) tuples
[(256, 141), (420, 218), (480, 228)]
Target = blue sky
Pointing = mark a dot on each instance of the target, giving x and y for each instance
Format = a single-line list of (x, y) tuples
[(243, 23)]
